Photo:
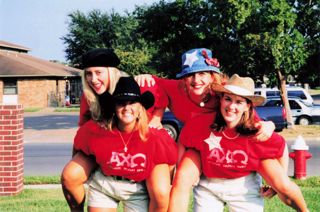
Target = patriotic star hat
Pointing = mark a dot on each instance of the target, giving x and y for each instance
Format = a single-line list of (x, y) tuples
[(240, 86), (198, 60)]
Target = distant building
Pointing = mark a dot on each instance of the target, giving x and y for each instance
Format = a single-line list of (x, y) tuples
[(34, 82)]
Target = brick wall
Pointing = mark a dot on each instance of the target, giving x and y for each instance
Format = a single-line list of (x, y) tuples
[(41, 92), (11, 149), (1, 90)]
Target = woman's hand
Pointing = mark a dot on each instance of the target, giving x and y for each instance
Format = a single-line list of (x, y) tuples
[(155, 122), (267, 192), (266, 128), (145, 79)]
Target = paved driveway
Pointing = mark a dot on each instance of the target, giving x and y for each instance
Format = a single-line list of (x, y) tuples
[(51, 127)]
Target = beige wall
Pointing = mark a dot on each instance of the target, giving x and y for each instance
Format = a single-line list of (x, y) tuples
[(40, 92)]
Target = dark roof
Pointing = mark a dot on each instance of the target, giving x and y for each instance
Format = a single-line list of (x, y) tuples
[(15, 64), (13, 47)]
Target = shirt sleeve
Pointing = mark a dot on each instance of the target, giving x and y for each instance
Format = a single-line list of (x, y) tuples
[(163, 98), (166, 150), (84, 115), (194, 131), (81, 140), (272, 148)]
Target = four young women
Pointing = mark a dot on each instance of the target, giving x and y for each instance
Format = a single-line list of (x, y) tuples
[(187, 97)]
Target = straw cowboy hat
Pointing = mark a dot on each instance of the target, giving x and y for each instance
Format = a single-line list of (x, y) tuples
[(241, 86)]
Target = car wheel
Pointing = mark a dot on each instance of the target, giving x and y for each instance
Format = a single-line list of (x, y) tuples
[(304, 121), (171, 131)]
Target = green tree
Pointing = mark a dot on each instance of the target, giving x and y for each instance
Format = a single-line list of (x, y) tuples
[(308, 24), (284, 43), (87, 32), (173, 28), (103, 30)]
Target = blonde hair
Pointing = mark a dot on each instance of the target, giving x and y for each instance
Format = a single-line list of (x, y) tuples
[(142, 122), (92, 97)]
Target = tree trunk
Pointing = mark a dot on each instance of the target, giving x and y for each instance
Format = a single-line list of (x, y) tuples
[(284, 97)]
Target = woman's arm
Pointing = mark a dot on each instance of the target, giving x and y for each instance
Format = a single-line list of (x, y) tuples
[(145, 80), (289, 193), (266, 128), (155, 121)]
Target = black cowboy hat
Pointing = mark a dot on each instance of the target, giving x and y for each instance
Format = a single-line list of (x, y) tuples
[(100, 57), (127, 89)]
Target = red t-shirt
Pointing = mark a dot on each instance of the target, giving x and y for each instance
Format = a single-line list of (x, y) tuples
[(135, 164), (85, 110), (174, 96), (227, 158)]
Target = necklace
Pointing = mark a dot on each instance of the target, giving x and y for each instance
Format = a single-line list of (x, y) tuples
[(236, 136), (205, 100), (125, 143)]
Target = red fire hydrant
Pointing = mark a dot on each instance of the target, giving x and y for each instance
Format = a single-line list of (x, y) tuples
[(300, 157)]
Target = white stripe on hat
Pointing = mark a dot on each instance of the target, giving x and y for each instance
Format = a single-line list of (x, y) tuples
[(238, 90)]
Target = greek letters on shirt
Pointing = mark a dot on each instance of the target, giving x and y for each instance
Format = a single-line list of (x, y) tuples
[(222, 157), (128, 162)]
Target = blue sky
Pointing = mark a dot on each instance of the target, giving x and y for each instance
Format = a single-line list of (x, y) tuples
[(39, 24)]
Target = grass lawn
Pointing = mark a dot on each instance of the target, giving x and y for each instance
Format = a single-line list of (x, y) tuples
[(37, 200)]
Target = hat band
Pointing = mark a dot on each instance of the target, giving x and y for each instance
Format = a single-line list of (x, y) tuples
[(238, 90), (127, 94)]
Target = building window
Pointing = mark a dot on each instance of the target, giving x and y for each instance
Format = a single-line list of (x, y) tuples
[(10, 87)]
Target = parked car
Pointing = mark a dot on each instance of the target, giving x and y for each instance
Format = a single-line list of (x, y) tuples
[(274, 113), (302, 113), (266, 113), (293, 91), (171, 124)]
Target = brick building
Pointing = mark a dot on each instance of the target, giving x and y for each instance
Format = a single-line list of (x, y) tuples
[(34, 82)]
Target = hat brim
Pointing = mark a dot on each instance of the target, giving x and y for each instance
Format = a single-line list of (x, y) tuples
[(146, 99), (207, 68), (256, 100)]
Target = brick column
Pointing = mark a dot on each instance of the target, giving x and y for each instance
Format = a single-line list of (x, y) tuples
[(11, 149)]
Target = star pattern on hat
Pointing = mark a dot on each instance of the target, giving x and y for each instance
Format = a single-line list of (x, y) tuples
[(213, 141), (191, 58)]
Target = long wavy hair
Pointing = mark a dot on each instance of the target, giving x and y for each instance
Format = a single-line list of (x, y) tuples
[(92, 97), (246, 125), (141, 123)]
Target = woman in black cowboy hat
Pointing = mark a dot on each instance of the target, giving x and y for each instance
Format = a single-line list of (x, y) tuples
[(99, 79), (126, 150)]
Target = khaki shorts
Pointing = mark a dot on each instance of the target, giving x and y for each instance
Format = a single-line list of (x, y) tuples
[(106, 192), (239, 194)]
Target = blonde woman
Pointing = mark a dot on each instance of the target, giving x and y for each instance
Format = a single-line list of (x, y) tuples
[(99, 79), (126, 151)]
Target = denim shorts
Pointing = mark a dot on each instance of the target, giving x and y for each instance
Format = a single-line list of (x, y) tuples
[(239, 194), (107, 191)]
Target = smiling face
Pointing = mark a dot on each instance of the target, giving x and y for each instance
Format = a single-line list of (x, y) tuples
[(232, 108), (197, 83), (98, 78), (127, 113)]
